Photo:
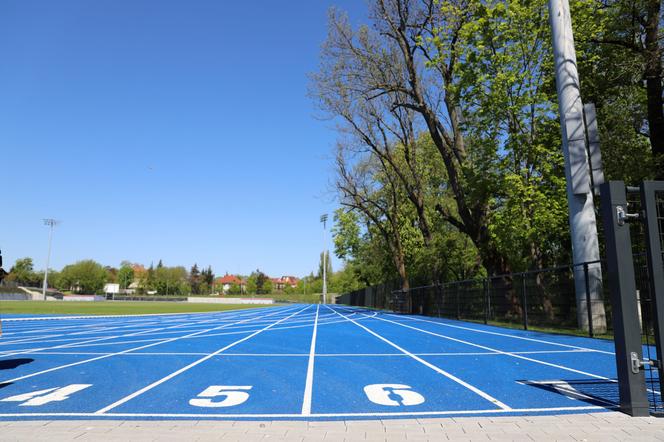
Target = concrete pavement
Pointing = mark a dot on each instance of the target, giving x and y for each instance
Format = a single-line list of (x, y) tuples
[(609, 426)]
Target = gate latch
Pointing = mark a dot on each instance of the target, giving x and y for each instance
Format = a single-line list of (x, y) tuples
[(638, 364), (624, 217)]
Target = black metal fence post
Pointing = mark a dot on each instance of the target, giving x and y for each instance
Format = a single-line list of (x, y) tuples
[(524, 301), (620, 264), (486, 301), (458, 306), (654, 217), (588, 304)]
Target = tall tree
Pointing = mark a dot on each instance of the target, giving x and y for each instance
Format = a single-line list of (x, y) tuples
[(195, 278), (85, 276), (125, 275), (328, 264)]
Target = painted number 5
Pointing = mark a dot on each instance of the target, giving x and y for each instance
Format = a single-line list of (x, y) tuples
[(234, 396), (393, 395)]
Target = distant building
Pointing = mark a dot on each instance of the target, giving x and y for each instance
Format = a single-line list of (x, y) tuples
[(132, 289), (283, 282), (226, 281)]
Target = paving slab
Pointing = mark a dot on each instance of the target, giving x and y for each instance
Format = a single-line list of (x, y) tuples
[(585, 428)]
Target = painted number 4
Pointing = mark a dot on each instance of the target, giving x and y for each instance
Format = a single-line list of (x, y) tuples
[(392, 395), (41, 397), (234, 395)]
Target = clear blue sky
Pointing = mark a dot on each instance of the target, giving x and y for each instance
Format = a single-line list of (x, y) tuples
[(173, 130)]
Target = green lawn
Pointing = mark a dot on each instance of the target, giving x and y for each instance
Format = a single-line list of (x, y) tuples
[(113, 308)]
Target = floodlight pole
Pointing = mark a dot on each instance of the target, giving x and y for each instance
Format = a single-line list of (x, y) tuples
[(323, 219), (583, 225), (51, 223)]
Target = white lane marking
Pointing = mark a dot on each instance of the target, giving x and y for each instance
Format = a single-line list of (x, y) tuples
[(431, 366), (42, 397), (323, 415), (382, 394), (141, 315), (193, 364), (234, 395), (507, 335), (118, 353), (537, 361), (94, 342), (309, 383), (305, 355), (90, 342)]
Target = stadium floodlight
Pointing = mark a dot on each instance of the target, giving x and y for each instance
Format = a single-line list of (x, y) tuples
[(323, 219), (51, 223)]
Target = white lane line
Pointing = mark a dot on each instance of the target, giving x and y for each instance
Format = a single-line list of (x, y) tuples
[(309, 383), (304, 355), (250, 329), (507, 335), (66, 337), (322, 415), (165, 341), (193, 364), (139, 316), (95, 342), (431, 366), (506, 353)]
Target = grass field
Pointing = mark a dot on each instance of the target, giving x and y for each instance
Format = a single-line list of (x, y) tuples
[(112, 308)]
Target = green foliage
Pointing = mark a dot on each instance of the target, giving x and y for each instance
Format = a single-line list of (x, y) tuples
[(85, 276), (125, 275), (259, 283), (328, 264), (171, 281), (195, 279), (235, 289), (23, 272)]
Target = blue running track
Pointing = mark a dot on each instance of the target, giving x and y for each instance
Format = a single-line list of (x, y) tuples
[(294, 362)]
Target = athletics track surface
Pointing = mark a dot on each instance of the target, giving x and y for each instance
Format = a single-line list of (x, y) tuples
[(294, 362)]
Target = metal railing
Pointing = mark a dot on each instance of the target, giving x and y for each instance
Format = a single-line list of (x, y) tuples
[(543, 298)]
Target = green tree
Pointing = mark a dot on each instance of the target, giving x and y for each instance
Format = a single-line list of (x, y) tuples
[(235, 289), (85, 276), (208, 276), (171, 281), (259, 283), (125, 275), (195, 279), (328, 264), (23, 272)]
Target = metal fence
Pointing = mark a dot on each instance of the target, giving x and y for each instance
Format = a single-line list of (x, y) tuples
[(646, 303), (543, 298)]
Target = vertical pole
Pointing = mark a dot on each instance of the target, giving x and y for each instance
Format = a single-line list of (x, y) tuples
[(486, 301), (324, 268), (589, 308), (620, 269), (655, 263), (458, 307), (323, 219), (583, 225), (50, 223), (524, 301)]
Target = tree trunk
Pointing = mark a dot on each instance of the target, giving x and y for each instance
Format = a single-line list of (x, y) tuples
[(653, 75)]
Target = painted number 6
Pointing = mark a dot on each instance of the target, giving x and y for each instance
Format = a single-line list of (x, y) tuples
[(392, 395), (234, 396)]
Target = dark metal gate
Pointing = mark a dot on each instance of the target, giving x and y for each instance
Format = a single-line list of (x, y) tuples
[(634, 231)]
